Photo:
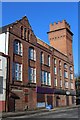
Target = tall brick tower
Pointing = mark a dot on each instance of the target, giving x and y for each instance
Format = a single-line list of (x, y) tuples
[(60, 37)]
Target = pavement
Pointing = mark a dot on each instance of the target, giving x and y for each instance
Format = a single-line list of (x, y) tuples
[(21, 113)]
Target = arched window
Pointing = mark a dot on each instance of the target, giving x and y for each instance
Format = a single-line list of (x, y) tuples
[(55, 61), (32, 54), (21, 31), (24, 33), (65, 65), (42, 57), (18, 47), (59, 63), (70, 68)]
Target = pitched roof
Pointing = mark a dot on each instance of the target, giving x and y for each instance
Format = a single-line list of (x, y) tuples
[(4, 28)]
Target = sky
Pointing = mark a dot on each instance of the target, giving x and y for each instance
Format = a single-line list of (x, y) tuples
[(41, 14)]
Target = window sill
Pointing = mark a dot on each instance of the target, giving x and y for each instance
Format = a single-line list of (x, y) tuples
[(45, 85), (32, 60), (17, 80), (18, 54), (30, 84)]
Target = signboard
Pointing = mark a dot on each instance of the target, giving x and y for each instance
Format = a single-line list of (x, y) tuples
[(41, 104)]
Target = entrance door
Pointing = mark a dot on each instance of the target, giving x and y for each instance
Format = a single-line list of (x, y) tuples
[(49, 100), (67, 100), (57, 102), (11, 105)]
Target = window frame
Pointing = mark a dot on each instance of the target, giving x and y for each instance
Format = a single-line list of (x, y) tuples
[(17, 75), (18, 48), (49, 60), (55, 70), (55, 82), (32, 54), (32, 75), (42, 57)]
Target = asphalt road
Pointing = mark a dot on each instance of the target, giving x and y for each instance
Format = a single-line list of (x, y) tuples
[(65, 113)]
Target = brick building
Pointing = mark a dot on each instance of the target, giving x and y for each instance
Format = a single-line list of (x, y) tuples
[(40, 74)]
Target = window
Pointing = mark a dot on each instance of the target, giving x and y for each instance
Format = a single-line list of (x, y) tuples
[(55, 70), (32, 54), (1, 85), (45, 78), (24, 33), (65, 74), (60, 83), (66, 84), (21, 31), (55, 82), (42, 57), (48, 60), (55, 61), (32, 75), (65, 65), (71, 68), (59, 63), (17, 71), (18, 47), (60, 72), (49, 79), (42, 77), (71, 76), (0, 64), (72, 86)]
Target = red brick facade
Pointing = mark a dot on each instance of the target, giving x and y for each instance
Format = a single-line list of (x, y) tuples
[(30, 94)]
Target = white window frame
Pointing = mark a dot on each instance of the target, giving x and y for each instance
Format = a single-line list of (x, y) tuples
[(66, 84), (71, 76), (49, 79), (55, 82), (55, 61), (42, 77), (61, 83), (32, 54), (42, 57), (18, 71), (45, 78), (18, 47), (60, 72), (65, 74), (32, 75), (70, 68), (59, 63), (55, 70), (65, 65), (72, 85), (48, 60)]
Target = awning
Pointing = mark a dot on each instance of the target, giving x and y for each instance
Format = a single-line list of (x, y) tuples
[(45, 90), (73, 93), (58, 91)]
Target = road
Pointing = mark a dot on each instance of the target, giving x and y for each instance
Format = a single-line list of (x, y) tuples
[(65, 113)]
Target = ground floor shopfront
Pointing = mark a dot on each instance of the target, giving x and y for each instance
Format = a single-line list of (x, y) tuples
[(38, 97)]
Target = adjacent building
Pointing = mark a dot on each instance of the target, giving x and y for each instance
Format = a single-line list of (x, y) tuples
[(40, 74)]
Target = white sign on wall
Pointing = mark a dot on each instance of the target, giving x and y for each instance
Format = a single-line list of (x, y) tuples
[(41, 104)]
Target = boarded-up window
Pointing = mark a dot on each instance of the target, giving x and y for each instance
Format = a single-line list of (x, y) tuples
[(1, 85), (40, 98)]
